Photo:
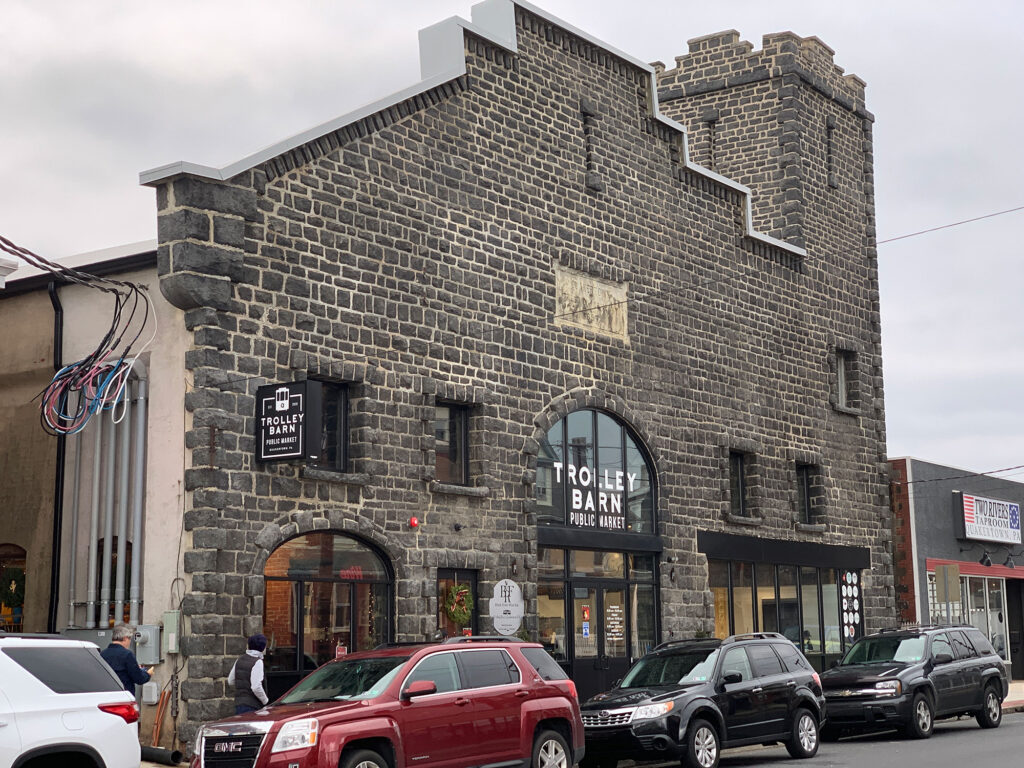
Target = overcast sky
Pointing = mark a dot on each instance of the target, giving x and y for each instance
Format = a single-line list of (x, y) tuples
[(92, 93)]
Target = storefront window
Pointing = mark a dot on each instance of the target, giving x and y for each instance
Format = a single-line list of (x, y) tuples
[(789, 605), (830, 611), (743, 598), (718, 583), (767, 608), (597, 564), (978, 615), (641, 598), (550, 506), (811, 638), (551, 617)]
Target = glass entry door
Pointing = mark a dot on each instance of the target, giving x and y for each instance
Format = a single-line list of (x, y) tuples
[(599, 617)]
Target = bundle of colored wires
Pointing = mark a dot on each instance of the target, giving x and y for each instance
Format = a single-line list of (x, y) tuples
[(99, 381)]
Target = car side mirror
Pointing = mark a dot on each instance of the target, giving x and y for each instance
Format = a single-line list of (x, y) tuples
[(943, 658), (419, 688), (616, 683), (732, 677)]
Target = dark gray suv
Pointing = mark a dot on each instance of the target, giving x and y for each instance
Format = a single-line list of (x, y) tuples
[(689, 699), (908, 678)]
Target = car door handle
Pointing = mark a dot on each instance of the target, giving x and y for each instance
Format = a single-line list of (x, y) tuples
[(462, 701), (791, 684), (756, 690), (522, 694)]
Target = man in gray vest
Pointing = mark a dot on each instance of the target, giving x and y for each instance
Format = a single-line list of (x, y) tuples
[(247, 677)]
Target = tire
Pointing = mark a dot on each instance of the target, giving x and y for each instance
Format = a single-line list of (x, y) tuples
[(364, 758), (922, 718), (803, 741), (991, 713), (703, 747), (551, 751)]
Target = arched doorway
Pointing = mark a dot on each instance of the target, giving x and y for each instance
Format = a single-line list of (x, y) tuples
[(326, 594), (13, 560), (597, 593)]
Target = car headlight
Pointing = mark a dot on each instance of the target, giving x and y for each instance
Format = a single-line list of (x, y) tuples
[(297, 734), (648, 711), (888, 688)]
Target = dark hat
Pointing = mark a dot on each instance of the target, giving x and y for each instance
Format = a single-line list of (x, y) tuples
[(258, 643)]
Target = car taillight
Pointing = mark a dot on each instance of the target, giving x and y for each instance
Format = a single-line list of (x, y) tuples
[(572, 689), (817, 680), (130, 712)]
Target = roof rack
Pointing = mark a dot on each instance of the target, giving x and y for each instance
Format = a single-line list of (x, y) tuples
[(756, 636), (685, 641), (482, 639), (401, 645), (922, 627)]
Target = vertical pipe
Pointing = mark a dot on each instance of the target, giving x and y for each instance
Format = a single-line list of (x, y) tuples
[(94, 524), (135, 596), (73, 555), (108, 523), (124, 458), (58, 479)]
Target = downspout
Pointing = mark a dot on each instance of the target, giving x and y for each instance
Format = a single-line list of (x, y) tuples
[(58, 480), (94, 525), (108, 523), (73, 560), (124, 457), (135, 590)]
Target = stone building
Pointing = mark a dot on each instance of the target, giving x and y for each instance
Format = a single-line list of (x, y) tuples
[(514, 322)]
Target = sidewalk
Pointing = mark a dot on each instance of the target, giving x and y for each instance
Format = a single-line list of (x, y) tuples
[(1014, 701)]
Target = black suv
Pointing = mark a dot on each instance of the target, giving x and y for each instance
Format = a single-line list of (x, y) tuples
[(907, 678), (689, 699)]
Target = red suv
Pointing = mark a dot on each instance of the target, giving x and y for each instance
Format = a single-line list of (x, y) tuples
[(468, 701)]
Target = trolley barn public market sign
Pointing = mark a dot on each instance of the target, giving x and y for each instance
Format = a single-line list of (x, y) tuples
[(286, 415), (596, 498)]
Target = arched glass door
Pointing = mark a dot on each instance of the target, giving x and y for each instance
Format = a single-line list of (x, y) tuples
[(326, 595)]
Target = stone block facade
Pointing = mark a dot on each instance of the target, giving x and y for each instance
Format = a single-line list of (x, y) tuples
[(412, 255)]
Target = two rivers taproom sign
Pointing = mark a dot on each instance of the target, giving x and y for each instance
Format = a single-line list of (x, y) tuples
[(288, 421), (988, 519)]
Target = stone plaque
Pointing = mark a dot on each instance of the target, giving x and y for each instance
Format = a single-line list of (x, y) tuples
[(585, 301)]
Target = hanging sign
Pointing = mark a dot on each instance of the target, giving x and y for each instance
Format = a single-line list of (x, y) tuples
[(507, 607), (286, 415)]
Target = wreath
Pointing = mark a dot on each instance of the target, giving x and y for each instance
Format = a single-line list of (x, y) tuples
[(12, 587), (458, 604)]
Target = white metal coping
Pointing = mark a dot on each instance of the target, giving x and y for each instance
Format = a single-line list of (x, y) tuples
[(442, 59), (6, 267)]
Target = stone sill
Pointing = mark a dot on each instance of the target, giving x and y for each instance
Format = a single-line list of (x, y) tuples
[(330, 476), (847, 411), (742, 519), (459, 490), (812, 527)]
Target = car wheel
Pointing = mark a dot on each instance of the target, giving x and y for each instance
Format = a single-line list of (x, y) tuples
[(991, 714), (364, 758), (702, 747), (922, 717), (803, 741), (551, 751)]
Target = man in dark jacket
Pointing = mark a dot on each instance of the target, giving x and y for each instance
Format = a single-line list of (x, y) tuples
[(247, 679), (120, 658)]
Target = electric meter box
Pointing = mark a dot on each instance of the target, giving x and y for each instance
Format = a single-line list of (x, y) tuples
[(172, 632), (147, 644)]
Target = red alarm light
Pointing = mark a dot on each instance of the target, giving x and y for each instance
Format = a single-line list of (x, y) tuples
[(414, 522)]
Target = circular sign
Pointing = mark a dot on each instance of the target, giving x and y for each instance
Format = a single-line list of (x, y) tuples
[(507, 607)]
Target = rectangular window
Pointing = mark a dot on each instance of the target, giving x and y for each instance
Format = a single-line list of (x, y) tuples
[(805, 476), (333, 436), (451, 443), (846, 378), (737, 485)]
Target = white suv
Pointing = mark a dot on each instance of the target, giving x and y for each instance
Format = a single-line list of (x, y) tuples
[(60, 704)]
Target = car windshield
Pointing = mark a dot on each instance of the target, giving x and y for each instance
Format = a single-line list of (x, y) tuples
[(346, 680), (882, 649), (692, 665)]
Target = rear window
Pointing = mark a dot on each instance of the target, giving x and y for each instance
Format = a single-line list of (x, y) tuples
[(546, 667), (765, 661), (487, 668), (67, 670), (980, 642), (792, 658)]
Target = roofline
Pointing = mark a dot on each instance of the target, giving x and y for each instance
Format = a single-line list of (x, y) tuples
[(442, 59), (111, 261)]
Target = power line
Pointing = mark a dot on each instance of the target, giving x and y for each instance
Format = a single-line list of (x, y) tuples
[(947, 226)]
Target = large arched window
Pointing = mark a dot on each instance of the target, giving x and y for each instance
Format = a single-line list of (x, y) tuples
[(326, 595), (592, 473)]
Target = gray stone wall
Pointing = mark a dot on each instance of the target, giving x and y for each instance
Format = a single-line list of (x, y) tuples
[(413, 255)]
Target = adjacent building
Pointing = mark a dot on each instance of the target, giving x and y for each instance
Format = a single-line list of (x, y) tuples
[(957, 544)]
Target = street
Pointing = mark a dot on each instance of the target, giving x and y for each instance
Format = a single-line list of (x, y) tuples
[(954, 743)]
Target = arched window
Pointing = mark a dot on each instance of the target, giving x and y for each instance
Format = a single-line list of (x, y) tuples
[(326, 594), (593, 473)]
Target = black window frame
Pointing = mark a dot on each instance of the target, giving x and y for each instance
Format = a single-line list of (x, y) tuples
[(739, 504), (846, 379), (333, 457), (805, 476), (458, 431)]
